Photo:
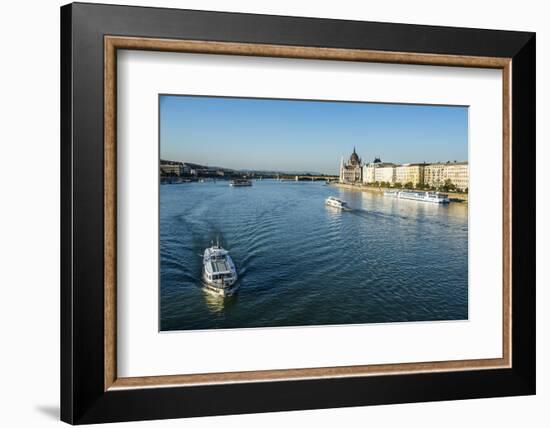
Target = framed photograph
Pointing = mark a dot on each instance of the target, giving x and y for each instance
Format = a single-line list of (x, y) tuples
[(265, 213)]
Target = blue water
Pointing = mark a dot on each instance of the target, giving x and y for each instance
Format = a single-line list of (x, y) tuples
[(302, 263)]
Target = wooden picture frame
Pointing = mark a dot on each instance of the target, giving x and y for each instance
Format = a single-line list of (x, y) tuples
[(91, 390)]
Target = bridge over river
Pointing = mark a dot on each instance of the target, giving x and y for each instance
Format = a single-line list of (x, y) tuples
[(307, 177)]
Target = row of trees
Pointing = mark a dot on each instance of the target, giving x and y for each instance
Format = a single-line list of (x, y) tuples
[(447, 186)]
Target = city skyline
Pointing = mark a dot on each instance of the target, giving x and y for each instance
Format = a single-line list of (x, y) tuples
[(300, 135)]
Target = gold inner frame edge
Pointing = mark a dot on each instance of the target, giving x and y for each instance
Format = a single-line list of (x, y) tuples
[(113, 43)]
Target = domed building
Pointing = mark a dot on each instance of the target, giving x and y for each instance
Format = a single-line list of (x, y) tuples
[(351, 171)]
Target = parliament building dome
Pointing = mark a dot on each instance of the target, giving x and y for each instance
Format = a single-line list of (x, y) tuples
[(354, 158)]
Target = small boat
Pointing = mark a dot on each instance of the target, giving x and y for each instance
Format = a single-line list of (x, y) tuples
[(433, 197), (331, 201), (219, 273), (240, 182)]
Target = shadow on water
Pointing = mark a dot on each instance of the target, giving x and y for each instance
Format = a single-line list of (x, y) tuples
[(374, 214), (361, 212), (364, 213)]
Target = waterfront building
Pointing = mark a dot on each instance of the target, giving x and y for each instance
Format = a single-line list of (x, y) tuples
[(457, 173), (434, 174), (437, 174), (410, 173), (171, 169), (352, 170), (369, 174), (378, 171), (385, 173)]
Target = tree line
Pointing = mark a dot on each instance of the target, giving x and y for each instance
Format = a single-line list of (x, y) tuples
[(447, 186)]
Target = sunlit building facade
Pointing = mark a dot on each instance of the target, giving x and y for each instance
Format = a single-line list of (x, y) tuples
[(423, 175), (438, 174), (410, 173), (378, 171)]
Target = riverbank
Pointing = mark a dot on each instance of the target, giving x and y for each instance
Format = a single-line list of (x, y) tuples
[(453, 196)]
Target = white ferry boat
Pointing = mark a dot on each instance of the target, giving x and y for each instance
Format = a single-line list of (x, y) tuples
[(219, 273), (331, 201), (433, 197), (240, 182)]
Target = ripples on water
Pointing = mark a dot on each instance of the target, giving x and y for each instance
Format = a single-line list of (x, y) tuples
[(302, 263)]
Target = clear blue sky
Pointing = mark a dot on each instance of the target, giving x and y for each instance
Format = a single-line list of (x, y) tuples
[(289, 135)]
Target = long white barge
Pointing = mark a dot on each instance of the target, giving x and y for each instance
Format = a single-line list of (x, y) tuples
[(416, 195)]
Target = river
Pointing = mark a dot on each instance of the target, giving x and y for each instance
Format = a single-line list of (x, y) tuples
[(302, 263)]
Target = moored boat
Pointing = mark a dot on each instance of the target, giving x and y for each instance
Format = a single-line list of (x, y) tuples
[(416, 195), (240, 182), (219, 273)]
